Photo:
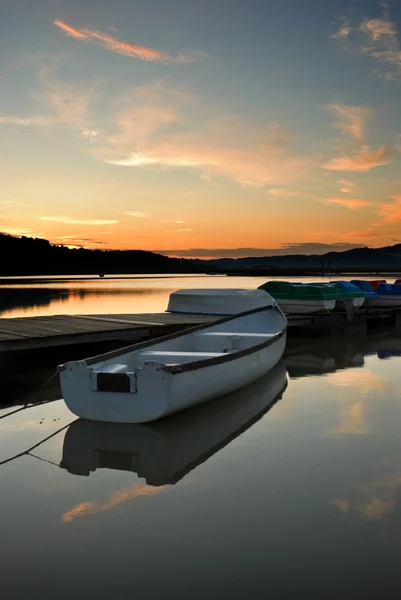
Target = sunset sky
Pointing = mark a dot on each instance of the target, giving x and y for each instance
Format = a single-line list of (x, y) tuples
[(198, 127)]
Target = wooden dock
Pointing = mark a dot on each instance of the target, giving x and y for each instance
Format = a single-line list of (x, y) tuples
[(34, 333)]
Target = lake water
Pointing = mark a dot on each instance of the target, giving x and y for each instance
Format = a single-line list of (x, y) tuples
[(35, 296), (287, 489)]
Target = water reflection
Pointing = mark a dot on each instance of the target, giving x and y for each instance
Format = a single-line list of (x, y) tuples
[(165, 451), (326, 355), (314, 485), (26, 301)]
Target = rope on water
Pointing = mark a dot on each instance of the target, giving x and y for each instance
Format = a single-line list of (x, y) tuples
[(3, 462), (32, 398)]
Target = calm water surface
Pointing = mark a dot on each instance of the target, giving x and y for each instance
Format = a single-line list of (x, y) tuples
[(30, 296), (287, 489)]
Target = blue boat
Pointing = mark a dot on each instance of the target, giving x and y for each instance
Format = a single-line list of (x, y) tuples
[(351, 294), (388, 295), (366, 288)]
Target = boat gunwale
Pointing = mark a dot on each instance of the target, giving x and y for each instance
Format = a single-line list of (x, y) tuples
[(149, 343), (218, 360)]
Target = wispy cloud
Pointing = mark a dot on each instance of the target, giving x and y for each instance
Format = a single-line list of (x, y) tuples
[(391, 212), (77, 241), (175, 222), (26, 122), (283, 192), (351, 203), (66, 103), (363, 234), (351, 120), (376, 38), (349, 186), (71, 221), (114, 44), (69, 102), (89, 134), (157, 130), (183, 230), (138, 215), (255, 168), (19, 231), (285, 250), (343, 31), (364, 159)]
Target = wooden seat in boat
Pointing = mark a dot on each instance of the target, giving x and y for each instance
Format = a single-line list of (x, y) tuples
[(168, 357), (227, 341), (230, 334)]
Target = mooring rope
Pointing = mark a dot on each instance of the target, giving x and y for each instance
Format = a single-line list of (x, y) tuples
[(32, 398), (3, 462)]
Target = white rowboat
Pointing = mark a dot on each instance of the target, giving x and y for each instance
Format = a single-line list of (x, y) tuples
[(150, 380), (164, 452), (222, 302)]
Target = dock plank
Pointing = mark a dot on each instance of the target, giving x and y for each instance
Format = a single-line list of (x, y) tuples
[(27, 333)]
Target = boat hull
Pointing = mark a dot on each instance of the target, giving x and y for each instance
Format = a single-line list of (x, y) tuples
[(389, 301), (306, 307), (164, 452), (157, 390)]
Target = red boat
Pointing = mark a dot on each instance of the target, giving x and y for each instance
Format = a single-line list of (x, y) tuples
[(375, 284)]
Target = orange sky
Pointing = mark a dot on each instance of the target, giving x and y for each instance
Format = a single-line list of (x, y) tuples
[(122, 135)]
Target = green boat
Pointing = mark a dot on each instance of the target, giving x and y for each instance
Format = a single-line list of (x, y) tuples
[(298, 298)]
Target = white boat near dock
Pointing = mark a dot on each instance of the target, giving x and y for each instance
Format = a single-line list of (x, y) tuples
[(164, 452), (150, 380)]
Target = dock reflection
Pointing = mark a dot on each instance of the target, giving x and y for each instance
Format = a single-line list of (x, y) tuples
[(164, 452)]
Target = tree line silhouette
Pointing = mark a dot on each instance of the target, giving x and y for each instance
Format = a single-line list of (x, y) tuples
[(33, 256)]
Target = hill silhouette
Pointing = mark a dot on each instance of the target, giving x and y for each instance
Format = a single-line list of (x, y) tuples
[(364, 260), (33, 256)]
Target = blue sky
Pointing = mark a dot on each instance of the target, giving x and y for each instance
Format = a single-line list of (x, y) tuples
[(179, 126)]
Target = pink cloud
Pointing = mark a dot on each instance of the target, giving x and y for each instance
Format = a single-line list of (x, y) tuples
[(363, 234), (391, 212), (351, 119), (114, 44), (349, 186), (377, 29), (157, 131), (351, 203), (283, 192), (365, 160), (343, 31), (376, 39)]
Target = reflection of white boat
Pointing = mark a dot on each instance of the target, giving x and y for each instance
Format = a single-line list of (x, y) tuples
[(150, 380), (166, 451)]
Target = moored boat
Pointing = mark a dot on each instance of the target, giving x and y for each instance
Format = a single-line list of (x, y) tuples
[(150, 380), (369, 293), (164, 452), (388, 295), (350, 296), (296, 298), (376, 282), (221, 302)]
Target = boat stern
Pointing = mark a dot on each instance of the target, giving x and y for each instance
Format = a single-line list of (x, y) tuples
[(118, 396)]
